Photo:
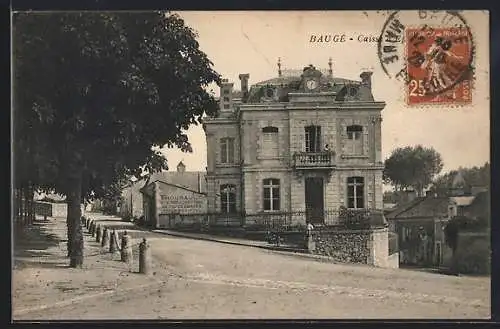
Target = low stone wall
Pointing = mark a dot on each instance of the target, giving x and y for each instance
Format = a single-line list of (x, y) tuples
[(393, 261), (368, 246), (344, 246)]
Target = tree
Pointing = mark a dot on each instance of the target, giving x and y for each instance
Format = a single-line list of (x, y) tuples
[(475, 176), (412, 167), (96, 92)]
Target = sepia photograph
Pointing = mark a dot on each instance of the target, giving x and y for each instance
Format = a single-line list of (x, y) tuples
[(238, 165)]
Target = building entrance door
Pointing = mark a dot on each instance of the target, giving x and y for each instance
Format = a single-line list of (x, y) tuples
[(314, 200)]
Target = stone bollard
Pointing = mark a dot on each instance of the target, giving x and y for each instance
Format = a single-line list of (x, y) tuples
[(126, 251), (93, 228), (112, 242), (117, 240), (98, 233), (90, 226), (144, 257), (105, 238), (83, 220), (87, 223)]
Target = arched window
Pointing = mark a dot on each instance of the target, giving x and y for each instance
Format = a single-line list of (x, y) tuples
[(355, 192), (270, 141), (271, 194), (228, 198), (355, 140)]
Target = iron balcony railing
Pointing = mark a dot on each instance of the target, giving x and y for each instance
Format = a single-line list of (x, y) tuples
[(305, 160)]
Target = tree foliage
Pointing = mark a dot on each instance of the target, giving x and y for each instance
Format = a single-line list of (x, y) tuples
[(463, 224), (94, 93), (413, 167), (475, 176)]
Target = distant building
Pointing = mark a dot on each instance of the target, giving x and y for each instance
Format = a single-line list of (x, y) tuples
[(169, 197), (420, 223), (303, 142)]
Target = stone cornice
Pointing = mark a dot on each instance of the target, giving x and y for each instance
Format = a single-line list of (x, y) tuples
[(336, 106)]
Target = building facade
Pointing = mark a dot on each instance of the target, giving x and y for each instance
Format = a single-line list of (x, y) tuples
[(306, 142), (172, 199)]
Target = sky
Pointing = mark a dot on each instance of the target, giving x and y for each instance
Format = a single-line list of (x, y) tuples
[(251, 42)]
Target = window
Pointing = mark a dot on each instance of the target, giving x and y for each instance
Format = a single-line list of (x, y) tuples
[(313, 138), (355, 192), (270, 142), (228, 198), (226, 106), (271, 194), (227, 150), (226, 99), (355, 139), (226, 92)]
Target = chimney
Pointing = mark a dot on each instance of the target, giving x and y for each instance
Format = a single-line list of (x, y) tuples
[(226, 95), (244, 85), (279, 67), (199, 183), (366, 79), (330, 70), (181, 167)]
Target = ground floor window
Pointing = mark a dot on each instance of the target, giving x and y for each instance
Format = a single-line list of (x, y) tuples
[(355, 192), (228, 198), (271, 194)]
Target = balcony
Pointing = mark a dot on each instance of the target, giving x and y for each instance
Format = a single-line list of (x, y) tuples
[(314, 160)]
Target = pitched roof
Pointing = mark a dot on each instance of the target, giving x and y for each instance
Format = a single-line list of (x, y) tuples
[(421, 207), (191, 180)]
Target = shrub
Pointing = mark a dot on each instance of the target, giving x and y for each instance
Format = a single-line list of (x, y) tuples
[(462, 224), (353, 218), (473, 257)]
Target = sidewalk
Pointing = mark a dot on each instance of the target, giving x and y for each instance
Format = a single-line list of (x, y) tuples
[(42, 279)]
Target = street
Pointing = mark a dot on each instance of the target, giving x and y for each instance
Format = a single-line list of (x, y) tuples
[(195, 279)]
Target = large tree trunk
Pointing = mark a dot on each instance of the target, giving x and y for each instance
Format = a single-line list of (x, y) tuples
[(74, 197)]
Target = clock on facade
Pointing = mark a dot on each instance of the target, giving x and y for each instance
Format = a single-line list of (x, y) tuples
[(311, 84)]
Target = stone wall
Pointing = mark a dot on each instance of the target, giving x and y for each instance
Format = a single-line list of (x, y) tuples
[(354, 246), (344, 246)]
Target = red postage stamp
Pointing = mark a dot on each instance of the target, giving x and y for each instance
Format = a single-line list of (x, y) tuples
[(438, 65)]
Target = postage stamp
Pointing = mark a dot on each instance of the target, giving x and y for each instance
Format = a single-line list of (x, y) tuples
[(435, 58)]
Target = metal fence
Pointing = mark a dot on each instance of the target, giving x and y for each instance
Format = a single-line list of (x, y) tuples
[(282, 221)]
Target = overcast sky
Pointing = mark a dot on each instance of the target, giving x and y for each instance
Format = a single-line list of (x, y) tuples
[(251, 42)]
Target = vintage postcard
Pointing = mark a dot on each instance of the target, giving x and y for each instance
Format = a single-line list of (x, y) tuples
[(251, 165)]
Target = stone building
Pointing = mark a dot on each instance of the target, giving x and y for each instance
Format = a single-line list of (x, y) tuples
[(420, 223), (175, 198), (304, 141)]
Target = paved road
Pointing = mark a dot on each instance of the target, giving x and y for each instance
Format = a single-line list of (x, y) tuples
[(200, 279)]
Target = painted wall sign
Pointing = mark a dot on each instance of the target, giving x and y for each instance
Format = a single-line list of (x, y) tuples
[(190, 203)]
